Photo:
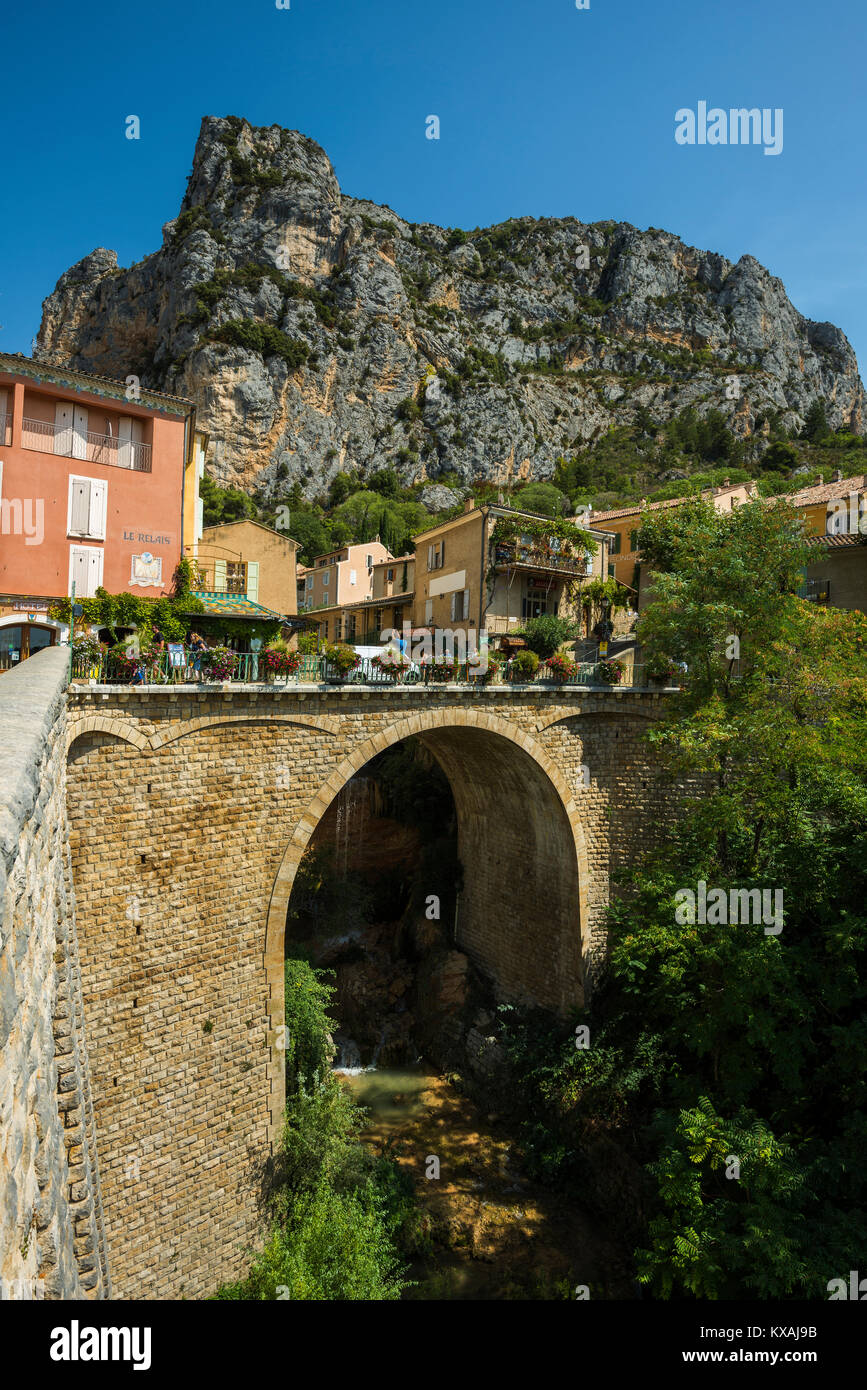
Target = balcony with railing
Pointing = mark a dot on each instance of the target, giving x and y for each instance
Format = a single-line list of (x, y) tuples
[(816, 590), (48, 437), (228, 579), (246, 668), (541, 558)]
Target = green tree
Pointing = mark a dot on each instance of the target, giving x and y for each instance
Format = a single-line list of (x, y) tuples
[(544, 498), (779, 458), (816, 425), (545, 635), (221, 504)]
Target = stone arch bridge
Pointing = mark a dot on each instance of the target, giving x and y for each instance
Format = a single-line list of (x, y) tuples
[(189, 810)]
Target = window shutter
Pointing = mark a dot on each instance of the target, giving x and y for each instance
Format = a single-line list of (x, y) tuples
[(428, 610), (79, 432), (200, 517), (430, 557), (4, 413), (95, 559), (466, 605), (124, 444), (79, 506), (454, 606), (63, 428), (77, 569), (353, 577), (220, 576), (442, 553), (253, 581), (97, 510)]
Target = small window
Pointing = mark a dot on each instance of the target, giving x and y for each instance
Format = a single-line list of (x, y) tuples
[(353, 576), (369, 563), (326, 578), (389, 576), (310, 581), (614, 548)]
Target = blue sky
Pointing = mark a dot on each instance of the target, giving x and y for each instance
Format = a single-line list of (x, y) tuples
[(545, 110)]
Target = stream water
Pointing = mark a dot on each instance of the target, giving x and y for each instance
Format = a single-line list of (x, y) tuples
[(492, 1233)]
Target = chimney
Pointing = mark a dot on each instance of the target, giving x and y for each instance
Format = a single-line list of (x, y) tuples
[(469, 504), (837, 476)]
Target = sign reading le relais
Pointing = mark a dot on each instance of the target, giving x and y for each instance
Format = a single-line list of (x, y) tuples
[(146, 538)]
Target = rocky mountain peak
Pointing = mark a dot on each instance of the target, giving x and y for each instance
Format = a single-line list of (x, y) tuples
[(319, 332)]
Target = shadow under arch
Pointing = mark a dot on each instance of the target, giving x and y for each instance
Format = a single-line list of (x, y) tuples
[(523, 914)]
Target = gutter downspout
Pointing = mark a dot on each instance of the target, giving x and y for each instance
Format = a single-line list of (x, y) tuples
[(189, 448)]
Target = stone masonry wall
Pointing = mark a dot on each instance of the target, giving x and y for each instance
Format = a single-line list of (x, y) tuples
[(52, 1243), (189, 811)]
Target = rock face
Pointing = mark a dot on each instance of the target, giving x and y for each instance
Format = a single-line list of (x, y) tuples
[(357, 340)]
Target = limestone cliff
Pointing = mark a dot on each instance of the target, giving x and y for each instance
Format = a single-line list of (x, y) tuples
[(319, 332)]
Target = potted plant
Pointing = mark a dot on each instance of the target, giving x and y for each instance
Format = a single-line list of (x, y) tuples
[(489, 675), (441, 671), (340, 660), (608, 673), (390, 664), (87, 654), (279, 661), (560, 668), (219, 663), (524, 666), (661, 670)]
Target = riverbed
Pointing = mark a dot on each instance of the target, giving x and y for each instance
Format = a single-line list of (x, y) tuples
[(494, 1234)]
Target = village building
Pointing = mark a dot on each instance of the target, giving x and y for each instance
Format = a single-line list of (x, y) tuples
[(494, 567), (836, 524), (98, 489)]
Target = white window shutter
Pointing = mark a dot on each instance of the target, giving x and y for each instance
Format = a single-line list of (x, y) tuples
[(124, 445), (466, 612), (77, 576), (79, 506), (98, 498), (454, 606), (428, 610), (96, 562), (63, 428), (253, 581), (200, 517), (430, 553), (353, 577), (79, 432), (220, 576)]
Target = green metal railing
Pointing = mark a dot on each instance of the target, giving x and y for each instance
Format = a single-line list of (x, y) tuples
[(250, 669)]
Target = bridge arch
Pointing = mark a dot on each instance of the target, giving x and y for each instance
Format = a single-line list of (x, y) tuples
[(523, 913)]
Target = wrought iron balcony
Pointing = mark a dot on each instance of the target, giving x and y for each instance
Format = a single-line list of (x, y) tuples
[(49, 438), (544, 559), (816, 590)]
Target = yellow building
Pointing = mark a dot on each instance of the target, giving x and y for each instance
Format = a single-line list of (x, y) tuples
[(836, 523), (624, 524), (493, 567), (194, 471), (249, 559)]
